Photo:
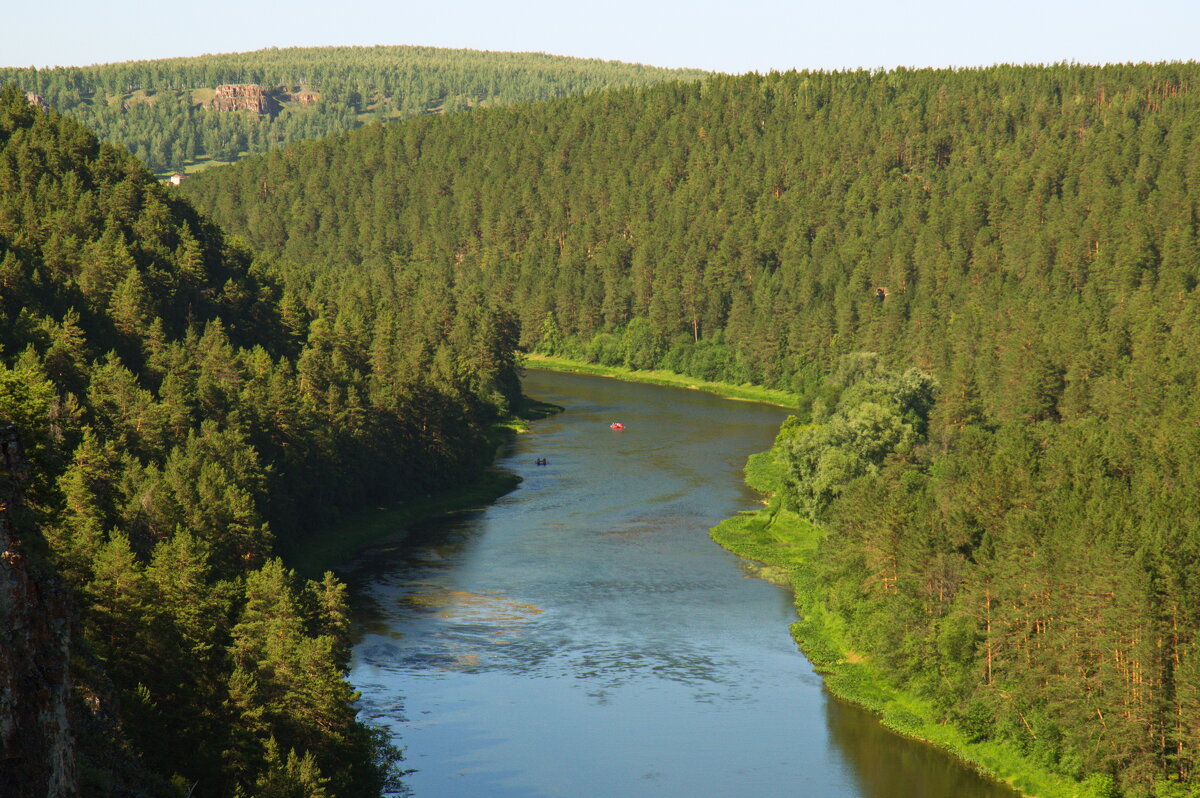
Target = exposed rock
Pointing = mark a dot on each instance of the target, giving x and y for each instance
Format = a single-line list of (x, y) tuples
[(306, 97), (37, 751), (243, 97), (36, 99)]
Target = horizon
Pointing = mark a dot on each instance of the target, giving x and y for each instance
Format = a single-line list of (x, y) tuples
[(548, 54), (759, 36)]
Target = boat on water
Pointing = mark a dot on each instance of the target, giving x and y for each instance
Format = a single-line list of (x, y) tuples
[(616, 425)]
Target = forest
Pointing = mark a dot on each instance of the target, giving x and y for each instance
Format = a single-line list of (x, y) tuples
[(190, 412), (983, 282), (162, 110)]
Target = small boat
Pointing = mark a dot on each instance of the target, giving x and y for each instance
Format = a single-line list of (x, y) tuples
[(617, 425)]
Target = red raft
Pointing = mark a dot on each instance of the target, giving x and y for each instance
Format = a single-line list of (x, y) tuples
[(616, 425)]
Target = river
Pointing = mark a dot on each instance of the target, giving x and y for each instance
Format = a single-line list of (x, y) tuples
[(584, 638)]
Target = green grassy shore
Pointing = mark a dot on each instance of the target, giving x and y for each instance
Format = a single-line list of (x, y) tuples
[(780, 541), (784, 544), (745, 392)]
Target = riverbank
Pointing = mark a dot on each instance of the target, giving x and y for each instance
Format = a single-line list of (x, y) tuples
[(784, 544), (745, 392), (352, 533)]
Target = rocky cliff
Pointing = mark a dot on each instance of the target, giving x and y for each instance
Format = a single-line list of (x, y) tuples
[(244, 97), (259, 100), (37, 753)]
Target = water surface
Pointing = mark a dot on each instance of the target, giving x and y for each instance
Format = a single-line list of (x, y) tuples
[(583, 637)]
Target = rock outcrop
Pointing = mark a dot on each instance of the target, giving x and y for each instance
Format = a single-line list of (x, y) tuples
[(37, 751), (243, 97), (305, 97)]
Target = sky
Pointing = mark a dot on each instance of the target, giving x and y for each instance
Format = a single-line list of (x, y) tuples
[(732, 36)]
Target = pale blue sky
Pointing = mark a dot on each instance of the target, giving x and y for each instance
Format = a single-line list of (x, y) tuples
[(729, 36)]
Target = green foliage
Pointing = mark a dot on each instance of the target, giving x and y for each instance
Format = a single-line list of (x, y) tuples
[(160, 110), (1026, 236), (1018, 547), (292, 776), (877, 415), (184, 425), (27, 399)]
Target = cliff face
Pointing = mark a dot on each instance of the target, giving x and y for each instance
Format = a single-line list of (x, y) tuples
[(37, 753), (259, 100), (244, 97)]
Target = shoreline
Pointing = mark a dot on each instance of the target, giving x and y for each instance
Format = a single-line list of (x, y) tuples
[(342, 539), (339, 541), (781, 542), (743, 393), (777, 540)]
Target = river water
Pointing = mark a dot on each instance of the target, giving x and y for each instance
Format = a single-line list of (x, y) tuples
[(584, 638)]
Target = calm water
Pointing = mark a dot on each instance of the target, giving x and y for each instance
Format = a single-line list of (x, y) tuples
[(583, 637)]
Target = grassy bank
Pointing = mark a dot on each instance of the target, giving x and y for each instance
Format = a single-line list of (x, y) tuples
[(785, 544), (353, 532), (746, 392)]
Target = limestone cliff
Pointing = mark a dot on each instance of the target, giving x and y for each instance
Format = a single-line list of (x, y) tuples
[(37, 754)]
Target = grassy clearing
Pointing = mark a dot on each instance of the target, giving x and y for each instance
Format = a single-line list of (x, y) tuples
[(784, 544), (747, 392)]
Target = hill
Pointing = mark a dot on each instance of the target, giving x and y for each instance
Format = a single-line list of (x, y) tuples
[(173, 113), (985, 283), (181, 413)]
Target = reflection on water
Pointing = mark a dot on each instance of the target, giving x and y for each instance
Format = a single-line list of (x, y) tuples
[(886, 770), (584, 637)]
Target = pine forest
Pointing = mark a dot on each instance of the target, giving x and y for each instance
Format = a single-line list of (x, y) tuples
[(186, 417), (186, 112), (982, 284)]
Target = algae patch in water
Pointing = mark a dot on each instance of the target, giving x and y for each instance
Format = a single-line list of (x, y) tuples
[(475, 607)]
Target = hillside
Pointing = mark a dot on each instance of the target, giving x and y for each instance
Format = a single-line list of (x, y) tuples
[(173, 113), (1009, 480), (181, 413)]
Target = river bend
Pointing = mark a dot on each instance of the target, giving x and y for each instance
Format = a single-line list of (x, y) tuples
[(584, 638)]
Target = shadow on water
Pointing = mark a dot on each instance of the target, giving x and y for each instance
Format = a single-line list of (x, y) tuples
[(425, 552), (885, 768)]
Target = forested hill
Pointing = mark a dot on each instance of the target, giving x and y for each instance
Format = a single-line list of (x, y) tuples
[(170, 114), (187, 412), (1015, 520)]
